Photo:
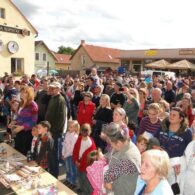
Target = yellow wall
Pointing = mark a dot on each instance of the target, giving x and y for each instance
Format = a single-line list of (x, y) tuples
[(76, 60), (26, 43), (40, 64), (62, 66)]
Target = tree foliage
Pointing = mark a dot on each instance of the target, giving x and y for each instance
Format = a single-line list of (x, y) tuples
[(65, 50)]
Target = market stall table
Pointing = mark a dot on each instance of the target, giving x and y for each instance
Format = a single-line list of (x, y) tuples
[(42, 179)]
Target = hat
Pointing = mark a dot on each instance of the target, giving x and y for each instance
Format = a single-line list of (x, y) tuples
[(55, 85), (88, 94), (119, 84)]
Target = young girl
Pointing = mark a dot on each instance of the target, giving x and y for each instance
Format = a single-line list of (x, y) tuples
[(44, 147), (142, 143), (67, 150), (84, 145)]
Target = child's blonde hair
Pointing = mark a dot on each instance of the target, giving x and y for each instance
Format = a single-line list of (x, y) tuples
[(75, 124)]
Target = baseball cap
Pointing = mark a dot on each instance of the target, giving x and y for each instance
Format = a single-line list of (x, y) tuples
[(55, 85)]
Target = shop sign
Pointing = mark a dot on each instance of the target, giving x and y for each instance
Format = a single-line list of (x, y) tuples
[(186, 52), (8, 29), (150, 53)]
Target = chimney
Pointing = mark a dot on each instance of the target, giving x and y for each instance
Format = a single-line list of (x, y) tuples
[(82, 42)]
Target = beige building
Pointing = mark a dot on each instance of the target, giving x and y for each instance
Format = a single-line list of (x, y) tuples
[(44, 57), (17, 36), (87, 56), (135, 60), (63, 61)]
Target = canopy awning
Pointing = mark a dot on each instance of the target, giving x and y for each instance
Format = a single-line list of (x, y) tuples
[(182, 65), (160, 64)]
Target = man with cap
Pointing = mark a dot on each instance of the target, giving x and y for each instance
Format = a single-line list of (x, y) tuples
[(56, 115), (117, 98)]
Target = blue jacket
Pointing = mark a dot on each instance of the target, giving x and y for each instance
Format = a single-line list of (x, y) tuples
[(175, 143)]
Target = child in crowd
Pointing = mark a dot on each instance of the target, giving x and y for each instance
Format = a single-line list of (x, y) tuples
[(67, 150), (142, 143), (35, 135), (44, 147), (84, 145), (132, 131), (97, 166)]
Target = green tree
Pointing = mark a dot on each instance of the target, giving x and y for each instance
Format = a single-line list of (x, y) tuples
[(65, 50)]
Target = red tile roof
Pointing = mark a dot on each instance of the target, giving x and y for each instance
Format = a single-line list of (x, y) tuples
[(62, 58), (100, 54)]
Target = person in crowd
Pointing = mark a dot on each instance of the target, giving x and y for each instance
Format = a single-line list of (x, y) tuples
[(169, 94), (76, 99), (164, 109), (95, 76), (174, 136), (131, 106), (103, 115), (56, 115), (44, 147), (117, 98), (35, 134), (119, 117), (25, 121), (193, 98), (189, 176), (154, 172), (69, 141), (142, 143), (181, 90), (89, 85), (142, 102), (124, 161), (26, 81), (186, 106), (151, 123), (83, 146), (96, 95), (39, 99), (86, 109)]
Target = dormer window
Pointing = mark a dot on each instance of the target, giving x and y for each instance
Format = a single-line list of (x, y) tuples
[(2, 13)]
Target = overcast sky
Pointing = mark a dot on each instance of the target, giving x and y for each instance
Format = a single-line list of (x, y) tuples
[(123, 24)]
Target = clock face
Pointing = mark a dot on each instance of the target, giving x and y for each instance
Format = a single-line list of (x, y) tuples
[(13, 47), (1, 45)]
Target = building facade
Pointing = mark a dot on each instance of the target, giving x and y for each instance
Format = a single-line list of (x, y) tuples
[(135, 60), (87, 56), (17, 36), (44, 57)]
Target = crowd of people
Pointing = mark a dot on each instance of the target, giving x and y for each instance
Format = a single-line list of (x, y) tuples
[(115, 133)]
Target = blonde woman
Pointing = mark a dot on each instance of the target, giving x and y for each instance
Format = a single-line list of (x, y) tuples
[(102, 116), (154, 171)]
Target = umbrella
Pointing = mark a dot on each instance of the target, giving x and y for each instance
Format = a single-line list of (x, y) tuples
[(162, 64), (53, 71), (41, 72), (182, 64)]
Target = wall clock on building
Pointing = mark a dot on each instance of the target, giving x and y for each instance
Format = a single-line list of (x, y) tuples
[(13, 47), (1, 45)]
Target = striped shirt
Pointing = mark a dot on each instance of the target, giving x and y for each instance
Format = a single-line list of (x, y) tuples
[(147, 126)]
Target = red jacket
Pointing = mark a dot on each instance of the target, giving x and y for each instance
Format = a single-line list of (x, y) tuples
[(85, 112), (83, 160)]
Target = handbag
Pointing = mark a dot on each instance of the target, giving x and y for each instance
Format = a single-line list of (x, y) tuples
[(175, 186)]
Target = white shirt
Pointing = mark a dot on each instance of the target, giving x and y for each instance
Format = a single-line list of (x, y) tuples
[(85, 144), (69, 142)]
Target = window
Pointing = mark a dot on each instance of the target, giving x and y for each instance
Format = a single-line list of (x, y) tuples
[(36, 56), (17, 65), (83, 61), (44, 57), (2, 13)]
